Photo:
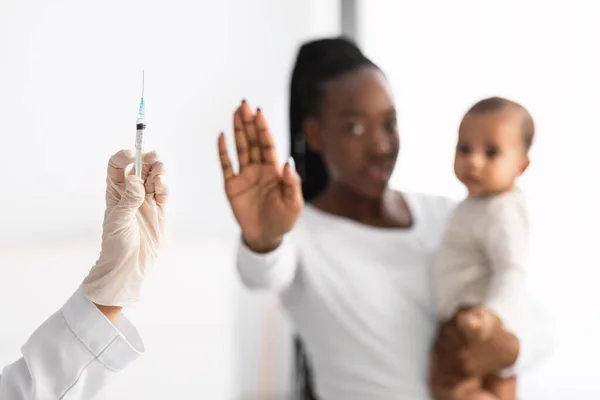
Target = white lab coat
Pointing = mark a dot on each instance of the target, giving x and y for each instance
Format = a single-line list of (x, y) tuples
[(71, 355)]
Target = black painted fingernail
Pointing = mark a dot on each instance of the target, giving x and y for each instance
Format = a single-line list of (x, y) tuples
[(243, 101), (258, 110)]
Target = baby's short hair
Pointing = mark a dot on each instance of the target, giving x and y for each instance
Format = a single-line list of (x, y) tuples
[(493, 104)]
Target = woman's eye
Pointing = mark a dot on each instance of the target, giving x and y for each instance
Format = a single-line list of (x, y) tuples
[(391, 126), (357, 129)]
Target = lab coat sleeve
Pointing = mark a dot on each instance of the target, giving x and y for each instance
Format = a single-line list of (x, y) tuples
[(274, 271), (71, 355)]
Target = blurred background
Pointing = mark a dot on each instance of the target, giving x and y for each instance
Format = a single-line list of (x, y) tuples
[(70, 81)]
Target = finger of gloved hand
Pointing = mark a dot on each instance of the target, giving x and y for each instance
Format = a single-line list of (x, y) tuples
[(148, 159), (115, 176), (148, 217), (157, 168), (161, 191), (117, 165), (130, 202), (153, 208)]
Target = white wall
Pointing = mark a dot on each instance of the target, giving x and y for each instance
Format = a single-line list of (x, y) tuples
[(441, 58), (70, 74)]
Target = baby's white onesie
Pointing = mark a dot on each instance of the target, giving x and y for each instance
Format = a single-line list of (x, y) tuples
[(481, 261)]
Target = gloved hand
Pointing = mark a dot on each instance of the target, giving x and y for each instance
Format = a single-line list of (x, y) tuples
[(132, 231)]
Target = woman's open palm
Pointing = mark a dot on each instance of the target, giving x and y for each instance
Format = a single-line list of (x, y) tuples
[(265, 198)]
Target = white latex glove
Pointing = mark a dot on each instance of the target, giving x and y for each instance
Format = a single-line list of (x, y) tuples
[(132, 230)]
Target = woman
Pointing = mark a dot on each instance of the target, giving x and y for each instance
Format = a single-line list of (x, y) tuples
[(73, 353), (351, 266)]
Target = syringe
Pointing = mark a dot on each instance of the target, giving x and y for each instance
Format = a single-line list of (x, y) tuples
[(140, 127)]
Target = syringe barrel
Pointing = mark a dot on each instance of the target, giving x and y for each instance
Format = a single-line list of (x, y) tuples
[(140, 127)]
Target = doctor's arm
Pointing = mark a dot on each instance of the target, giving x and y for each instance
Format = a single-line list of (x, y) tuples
[(77, 349), (71, 355), (112, 313)]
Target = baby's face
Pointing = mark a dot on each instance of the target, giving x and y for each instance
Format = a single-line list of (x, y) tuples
[(490, 154)]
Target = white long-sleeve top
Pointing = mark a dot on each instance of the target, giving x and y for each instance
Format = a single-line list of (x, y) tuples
[(71, 355), (362, 300)]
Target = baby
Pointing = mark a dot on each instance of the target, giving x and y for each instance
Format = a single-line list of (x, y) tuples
[(481, 261)]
